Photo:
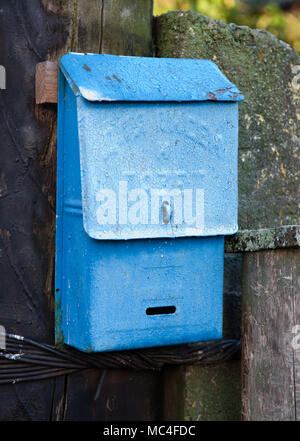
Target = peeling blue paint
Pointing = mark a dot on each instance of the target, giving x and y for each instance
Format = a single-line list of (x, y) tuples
[(122, 78), (164, 130)]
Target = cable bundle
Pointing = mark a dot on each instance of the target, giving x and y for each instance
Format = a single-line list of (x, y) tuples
[(27, 360)]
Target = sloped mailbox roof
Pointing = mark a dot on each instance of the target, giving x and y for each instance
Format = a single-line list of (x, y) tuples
[(121, 78), (144, 139)]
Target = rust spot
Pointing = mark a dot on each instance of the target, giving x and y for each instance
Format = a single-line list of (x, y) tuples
[(235, 95), (212, 96), (117, 78), (108, 78), (222, 90), (86, 67)]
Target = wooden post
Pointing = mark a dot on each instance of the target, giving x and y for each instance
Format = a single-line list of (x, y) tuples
[(271, 323), (30, 33), (271, 319)]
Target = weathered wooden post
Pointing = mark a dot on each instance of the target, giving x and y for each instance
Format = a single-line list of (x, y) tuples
[(271, 319), (264, 69), (32, 32)]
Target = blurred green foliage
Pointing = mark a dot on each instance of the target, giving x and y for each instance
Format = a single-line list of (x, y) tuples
[(285, 24)]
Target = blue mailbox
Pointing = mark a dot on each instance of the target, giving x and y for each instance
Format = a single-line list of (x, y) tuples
[(147, 189)]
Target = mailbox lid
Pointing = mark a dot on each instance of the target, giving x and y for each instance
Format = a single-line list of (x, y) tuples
[(151, 170), (167, 125), (99, 77)]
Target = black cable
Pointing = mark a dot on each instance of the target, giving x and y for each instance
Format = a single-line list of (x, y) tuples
[(27, 360)]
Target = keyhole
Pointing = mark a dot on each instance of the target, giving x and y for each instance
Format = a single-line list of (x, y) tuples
[(166, 212)]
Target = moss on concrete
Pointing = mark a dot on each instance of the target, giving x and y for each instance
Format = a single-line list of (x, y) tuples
[(213, 393), (261, 66), (264, 239)]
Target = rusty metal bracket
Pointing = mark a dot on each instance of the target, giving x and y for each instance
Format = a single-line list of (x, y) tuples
[(46, 82)]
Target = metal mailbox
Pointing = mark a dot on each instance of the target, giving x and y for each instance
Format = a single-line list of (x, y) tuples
[(147, 189)]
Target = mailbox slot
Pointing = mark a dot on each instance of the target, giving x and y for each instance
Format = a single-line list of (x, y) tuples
[(159, 310)]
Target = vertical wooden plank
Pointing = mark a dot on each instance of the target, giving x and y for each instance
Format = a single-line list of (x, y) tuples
[(113, 395), (27, 202), (127, 27), (296, 334), (173, 393), (32, 32), (270, 312), (58, 399)]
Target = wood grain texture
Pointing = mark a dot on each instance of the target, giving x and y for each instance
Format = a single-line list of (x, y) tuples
[(125, 27), (33, 32), (296, 336), (46, 82), (271, 290)]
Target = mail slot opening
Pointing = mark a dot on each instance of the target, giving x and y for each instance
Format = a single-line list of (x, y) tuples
[(158, 310)]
